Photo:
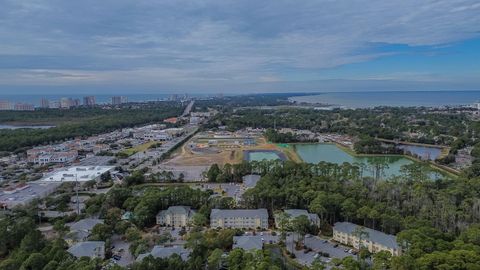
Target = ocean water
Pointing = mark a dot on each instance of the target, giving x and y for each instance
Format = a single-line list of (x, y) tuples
[(392, 99)]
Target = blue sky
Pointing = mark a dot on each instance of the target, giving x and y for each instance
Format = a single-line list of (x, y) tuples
[(120, 46)]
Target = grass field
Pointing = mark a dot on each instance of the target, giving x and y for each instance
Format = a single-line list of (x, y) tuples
[(138, 148)]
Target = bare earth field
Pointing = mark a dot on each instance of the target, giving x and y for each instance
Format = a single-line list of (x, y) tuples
[(186, 157)]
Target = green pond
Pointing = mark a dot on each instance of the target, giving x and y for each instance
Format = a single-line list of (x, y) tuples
[(259, 155), (318, 152)]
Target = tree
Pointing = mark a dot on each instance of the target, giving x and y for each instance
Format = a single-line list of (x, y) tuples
[(215, 259), (36, 261), (213, 173), (301, 225)]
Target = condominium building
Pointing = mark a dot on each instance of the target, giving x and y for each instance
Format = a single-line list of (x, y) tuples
[(348, 233), (239, 218), (294, 213), (175, 216), (89, 101)]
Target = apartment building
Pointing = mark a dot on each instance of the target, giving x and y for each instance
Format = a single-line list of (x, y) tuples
[(294, 213), (239, 218), (175, 216), (376, 241)]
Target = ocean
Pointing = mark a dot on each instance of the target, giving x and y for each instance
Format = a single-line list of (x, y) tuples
[(392, 99)]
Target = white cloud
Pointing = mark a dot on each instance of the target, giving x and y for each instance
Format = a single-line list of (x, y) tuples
[(236, 41)]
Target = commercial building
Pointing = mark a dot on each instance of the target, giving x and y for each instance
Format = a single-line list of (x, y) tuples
[(91, 249), (239, 218), (77, 173), (348, 233), (294, 213), (175, 216)]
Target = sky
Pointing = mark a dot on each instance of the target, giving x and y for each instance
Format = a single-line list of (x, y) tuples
[(243, 46)]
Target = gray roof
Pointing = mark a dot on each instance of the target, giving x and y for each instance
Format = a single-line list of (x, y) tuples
[(86, 224), (375, 236), (77, 235), (87, 249), (178, 210), (247, 242), (233, 213), (251, 180), (301, 212), (166, 252)]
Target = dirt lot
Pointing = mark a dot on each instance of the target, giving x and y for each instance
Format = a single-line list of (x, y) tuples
[(233, 155)]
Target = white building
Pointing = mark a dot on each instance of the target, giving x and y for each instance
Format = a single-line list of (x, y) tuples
[(348, 233), (175, 216), (77, 173)]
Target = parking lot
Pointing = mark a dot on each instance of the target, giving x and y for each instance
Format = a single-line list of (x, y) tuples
[(317, 244), (121, 249)]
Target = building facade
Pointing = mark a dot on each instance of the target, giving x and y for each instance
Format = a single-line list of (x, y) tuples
[(175, 216), (239, 218), (375, 241)]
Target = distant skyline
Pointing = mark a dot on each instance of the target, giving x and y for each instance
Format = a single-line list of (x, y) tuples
[(114, 47)]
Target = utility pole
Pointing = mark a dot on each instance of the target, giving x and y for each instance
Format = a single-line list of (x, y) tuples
[(78, 203)]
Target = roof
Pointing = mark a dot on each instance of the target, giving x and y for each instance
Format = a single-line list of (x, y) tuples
[(375, 236), (86, 224), (166, 252), (301, 212), (232, 213), (180, 209), (247, 242), (76, 173), (251, 180), (88, 249)]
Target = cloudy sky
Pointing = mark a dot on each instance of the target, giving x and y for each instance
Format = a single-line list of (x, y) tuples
[(119, 46)]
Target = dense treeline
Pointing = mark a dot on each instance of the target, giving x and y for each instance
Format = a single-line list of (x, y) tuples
[(388, 123), (86, 122), (437, 221), (229, 102), (368, 145)]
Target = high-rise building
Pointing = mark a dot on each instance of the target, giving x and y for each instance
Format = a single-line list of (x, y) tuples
[(44, 103), (54, 104), (117, 100), (5, 105), (76, 102), (89, 101), (65, 103), (23, 107)]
